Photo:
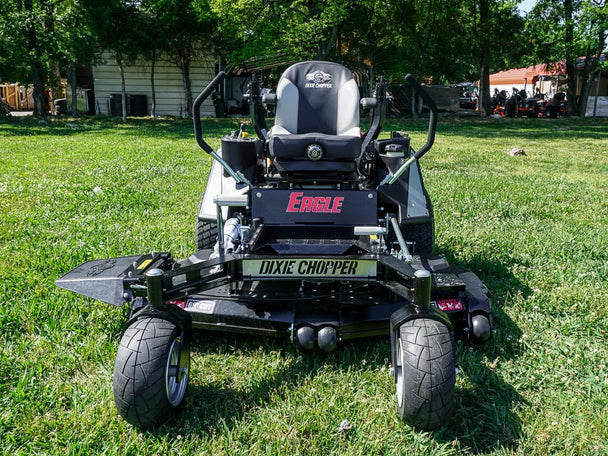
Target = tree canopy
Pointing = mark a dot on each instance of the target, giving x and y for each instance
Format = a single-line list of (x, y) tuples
[(446, 41)]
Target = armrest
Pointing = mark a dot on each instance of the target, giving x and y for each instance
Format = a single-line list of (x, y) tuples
[(369, 103), (269, 98)]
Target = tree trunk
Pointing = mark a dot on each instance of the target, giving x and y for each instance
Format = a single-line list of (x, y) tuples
[(586, 81), (484, 102), (325, 51), (185, 67), (123, 86), (38, 94), (570, 59), (592, 60), (74, 107), (597, 91), (153, 109), (56, 89), (36, 63)]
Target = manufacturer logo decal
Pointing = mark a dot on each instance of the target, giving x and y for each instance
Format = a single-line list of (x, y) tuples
[(319, 80), (319, 204), (314, 151), (201, 305), (308, 267), (98, 268)]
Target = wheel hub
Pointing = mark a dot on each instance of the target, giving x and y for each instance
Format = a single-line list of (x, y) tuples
[(176, 372)]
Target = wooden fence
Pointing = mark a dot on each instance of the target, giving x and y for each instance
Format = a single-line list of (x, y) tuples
[(17, 97)]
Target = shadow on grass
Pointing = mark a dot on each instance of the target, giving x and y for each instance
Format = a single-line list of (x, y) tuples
[(212, 408), (166, 128), (180, 128), (484, 418)]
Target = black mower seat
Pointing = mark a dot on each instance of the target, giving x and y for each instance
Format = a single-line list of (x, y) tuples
[(316, 126)]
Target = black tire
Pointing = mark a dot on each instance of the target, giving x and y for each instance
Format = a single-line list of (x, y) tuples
[(422, 234), (425, 373), (206, 234), (150, 379)]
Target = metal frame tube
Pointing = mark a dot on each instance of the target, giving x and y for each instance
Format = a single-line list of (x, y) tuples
[(392, 178), (422, 288), (401, 240), (237, 176), (154, 285)]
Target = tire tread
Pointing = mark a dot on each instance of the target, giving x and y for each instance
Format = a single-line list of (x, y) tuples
[(139, 369), (206, 234), (429, 373)]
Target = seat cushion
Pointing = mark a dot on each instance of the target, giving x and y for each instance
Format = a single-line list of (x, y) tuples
[(335, 148)]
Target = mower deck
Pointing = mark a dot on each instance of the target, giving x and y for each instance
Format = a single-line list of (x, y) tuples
[(272, 295)]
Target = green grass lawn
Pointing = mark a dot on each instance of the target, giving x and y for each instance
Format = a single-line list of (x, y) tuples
[(534, 228)]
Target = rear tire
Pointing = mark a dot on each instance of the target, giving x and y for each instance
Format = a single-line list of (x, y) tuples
[(206, 234), (425, 373), (510, 109), (423, 235), (151, 372)]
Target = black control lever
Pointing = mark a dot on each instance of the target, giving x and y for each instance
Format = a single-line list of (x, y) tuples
[(391, 178), (196, 108), (430, 137)]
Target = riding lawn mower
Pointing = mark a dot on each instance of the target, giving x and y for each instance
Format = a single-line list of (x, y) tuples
[(311, 231)]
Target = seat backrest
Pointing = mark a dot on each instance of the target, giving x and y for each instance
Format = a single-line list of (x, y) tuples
[(317, 97)]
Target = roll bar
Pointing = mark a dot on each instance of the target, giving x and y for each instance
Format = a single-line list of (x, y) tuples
[(430, 136)]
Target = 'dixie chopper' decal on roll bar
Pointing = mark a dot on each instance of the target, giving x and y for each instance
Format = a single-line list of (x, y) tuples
[(332, 207)]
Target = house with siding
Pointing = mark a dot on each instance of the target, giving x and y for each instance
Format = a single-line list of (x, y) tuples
[(170, 99)]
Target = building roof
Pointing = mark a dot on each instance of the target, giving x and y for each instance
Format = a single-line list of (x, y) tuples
[(529, 74)]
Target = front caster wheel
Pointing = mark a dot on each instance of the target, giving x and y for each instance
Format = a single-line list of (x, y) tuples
[(151, 372), (425, 373)]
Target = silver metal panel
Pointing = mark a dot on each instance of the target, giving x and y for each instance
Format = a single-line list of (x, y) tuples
[(218, 185), (99, 279), (416, 202)]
